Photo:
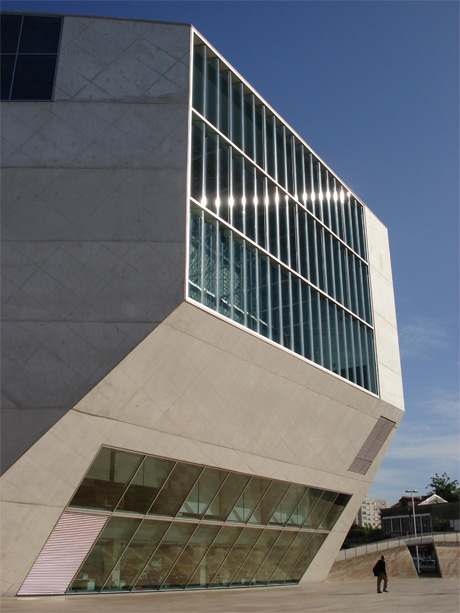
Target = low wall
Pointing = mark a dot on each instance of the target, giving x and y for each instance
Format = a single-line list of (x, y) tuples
[(449, 559)]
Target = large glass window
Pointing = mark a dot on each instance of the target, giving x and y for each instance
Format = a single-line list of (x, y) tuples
[(29, 51), (176, 525), (276, 224)]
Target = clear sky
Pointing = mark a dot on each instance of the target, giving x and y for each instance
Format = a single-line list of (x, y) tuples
[(373, 88)]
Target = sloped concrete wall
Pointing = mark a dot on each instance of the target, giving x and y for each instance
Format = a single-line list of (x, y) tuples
[(448, 555), (398, 563)]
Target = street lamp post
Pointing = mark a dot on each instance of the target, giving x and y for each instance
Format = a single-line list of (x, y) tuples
[(412, 492)]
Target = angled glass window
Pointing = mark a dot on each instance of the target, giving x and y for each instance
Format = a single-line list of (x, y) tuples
[(29, 53)]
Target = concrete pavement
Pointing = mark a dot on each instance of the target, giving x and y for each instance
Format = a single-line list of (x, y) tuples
[(405, 595)]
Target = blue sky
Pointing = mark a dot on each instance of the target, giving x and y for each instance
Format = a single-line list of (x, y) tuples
[(373, 88)]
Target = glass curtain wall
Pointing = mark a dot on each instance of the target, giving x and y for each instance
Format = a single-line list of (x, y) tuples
[(276, 242), (175, 525)]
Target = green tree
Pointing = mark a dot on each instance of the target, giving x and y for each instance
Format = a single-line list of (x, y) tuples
[(443, 486)]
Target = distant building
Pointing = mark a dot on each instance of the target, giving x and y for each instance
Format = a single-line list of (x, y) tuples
[(369, 513), (432, 513)]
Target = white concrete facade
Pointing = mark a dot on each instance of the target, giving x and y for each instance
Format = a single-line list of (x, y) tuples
[(102, 347)]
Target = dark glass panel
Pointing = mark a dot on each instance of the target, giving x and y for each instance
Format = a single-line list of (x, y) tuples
[(286, 311), (210, 263), (275, 333), (345, 277), (145, 486), (259, 124), (309, 182), (321, 508), (316, 328), (337, 270), (350, 348), (284, 230), (199, 63), (6, 73), (226, 497), (320, 251), (203, 493), (136, 556), (211, 153), (248, 500), (251, 289), (334, 338), (34, 77), (348, 222), (292, 216), (237, 114), (190, 557), (9, 36), (40, 34), (359, 212), (237, 192), (238, 281), (270, 127), (354, 221), (274, 555), (296, 574), (299, 174), (224, 181), (236, 557), (326, 197), (248, 105), (309, 503), (246, 573), (287, 505), (307, 322), (270, 501), (329, 264), (225, 281), (214, 557), (297, 324), (364, 356), (281, 155), (175, 489), (224, 109), (325, 332), (273, 219), (342, 343), (333, 204), (212, 89), (264, 303), (318, 202), (197, 161), (367, 298), (261, 209), (165, 556), (303, 244), (290, 558), (359, 288), (352, 279), (335, 511), (250, 194), (358, 358), (104, 554), (371, 356), (312, 252), (289, 165), (195, 280), (106, 479)]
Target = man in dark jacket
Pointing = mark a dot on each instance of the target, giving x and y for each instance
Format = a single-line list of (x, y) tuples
[(380, 572)]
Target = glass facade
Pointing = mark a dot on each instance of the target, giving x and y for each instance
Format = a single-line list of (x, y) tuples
[(276, 243), (29, 51), (175, 525)]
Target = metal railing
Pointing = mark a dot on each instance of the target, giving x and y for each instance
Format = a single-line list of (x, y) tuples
[(428, 537)]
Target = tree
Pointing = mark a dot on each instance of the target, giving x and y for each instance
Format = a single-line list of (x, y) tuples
[(444, 487)]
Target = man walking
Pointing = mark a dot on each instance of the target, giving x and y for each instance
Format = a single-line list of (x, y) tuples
[(380, 572)]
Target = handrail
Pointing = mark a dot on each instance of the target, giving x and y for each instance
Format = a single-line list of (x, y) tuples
[(428, 537)]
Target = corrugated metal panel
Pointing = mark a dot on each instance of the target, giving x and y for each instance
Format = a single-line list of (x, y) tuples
[(372, 445), (62, 555)]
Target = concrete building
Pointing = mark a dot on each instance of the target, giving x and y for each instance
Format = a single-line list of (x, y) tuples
[(201, 370), (369, 513)]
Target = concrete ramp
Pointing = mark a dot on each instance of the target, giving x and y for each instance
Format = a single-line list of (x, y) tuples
[(398, 563), (449, 559)]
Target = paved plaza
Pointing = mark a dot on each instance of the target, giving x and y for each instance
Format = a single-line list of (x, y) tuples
[(408, 595)]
